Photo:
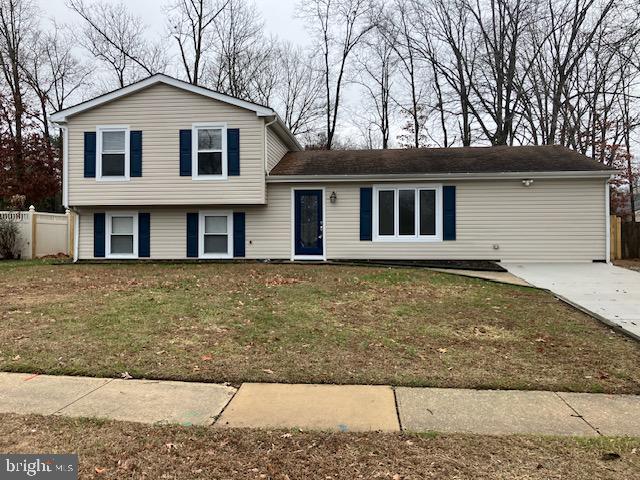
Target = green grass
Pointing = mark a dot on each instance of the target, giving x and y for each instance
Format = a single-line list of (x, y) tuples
[(302, 323)]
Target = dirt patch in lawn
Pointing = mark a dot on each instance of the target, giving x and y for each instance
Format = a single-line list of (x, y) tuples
[(303, 324), (126, 450)]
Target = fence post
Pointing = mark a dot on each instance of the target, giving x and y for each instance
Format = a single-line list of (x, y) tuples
[(34, 230), (71, 226), (619, 234)]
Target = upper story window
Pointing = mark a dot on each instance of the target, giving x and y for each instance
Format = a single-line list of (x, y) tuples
[(407, 213), (112, 153), (209, 151)]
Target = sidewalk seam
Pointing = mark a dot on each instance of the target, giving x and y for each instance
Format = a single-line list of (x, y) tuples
[(217, 417), (395, 402), (83, 396), (578, 414)]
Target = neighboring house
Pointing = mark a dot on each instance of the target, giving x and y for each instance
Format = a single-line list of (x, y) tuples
[(162, 169)]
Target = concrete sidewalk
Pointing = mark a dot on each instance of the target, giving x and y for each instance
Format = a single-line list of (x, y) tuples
[(323, 407)]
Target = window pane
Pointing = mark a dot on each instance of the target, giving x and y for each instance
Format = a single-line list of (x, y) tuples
[(427, 212), (113, 141), (121, 243), (309, 227), (209, 139), (122, 225), (385, 213), (210, 163), (113, 165), (215, 244), (407, 214), (215, 224)]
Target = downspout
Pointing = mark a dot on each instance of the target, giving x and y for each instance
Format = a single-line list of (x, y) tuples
[(266, 126), (76, 234), (65, 163), (65, 188), (607, 220)]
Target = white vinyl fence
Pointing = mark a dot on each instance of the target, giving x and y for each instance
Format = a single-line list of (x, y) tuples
[(43, 233)]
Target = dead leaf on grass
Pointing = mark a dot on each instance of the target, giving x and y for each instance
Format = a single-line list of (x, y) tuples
[(100, 470), (442, 350), (267, 370), (206, 358)]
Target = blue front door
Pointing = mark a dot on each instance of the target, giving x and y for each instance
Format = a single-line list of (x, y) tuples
[(308, 222)]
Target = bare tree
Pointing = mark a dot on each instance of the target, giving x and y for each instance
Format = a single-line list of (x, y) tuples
[(399, 27), (116, 38), (339, 26), (242, 61), (444, 40), (299, 89), (191, 24), (377, 62)]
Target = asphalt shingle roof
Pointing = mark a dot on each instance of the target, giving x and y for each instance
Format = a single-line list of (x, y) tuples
[(547, 158)]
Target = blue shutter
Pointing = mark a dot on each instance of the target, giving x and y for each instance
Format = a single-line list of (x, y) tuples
[(238, 234), (233, 151), (144, 235), (366, 214), (98, 235), (89, 154), (449, 212), (192, 235), (185, 153), (135, 153)]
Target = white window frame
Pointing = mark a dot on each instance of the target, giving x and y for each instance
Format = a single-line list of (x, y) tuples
[(109, 216), (100, 129), (396, 237), (201, 233), (194, 150)]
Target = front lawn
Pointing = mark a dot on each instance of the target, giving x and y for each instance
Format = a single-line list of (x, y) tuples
[(303, 323), (125, 450)]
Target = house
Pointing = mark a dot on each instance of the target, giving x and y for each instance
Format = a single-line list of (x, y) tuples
[(162, 169)]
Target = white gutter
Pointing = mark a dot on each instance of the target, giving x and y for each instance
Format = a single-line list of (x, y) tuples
[(437, 176)]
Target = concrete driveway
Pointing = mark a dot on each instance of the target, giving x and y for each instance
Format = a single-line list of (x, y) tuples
[(610, 293)]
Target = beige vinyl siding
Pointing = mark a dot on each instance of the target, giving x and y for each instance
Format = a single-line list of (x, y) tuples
[(553, 220), (160, 112), (275, 149)]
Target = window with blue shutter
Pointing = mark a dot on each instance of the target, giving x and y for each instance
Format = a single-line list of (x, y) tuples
[(98, 234), (135, 152), (238, 234), (233, 151), (192, 235), (144, 235), (449, 212), (366, 209), (185, 153), (89, 154)]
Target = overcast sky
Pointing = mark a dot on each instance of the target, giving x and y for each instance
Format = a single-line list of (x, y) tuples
[(278, 16)]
